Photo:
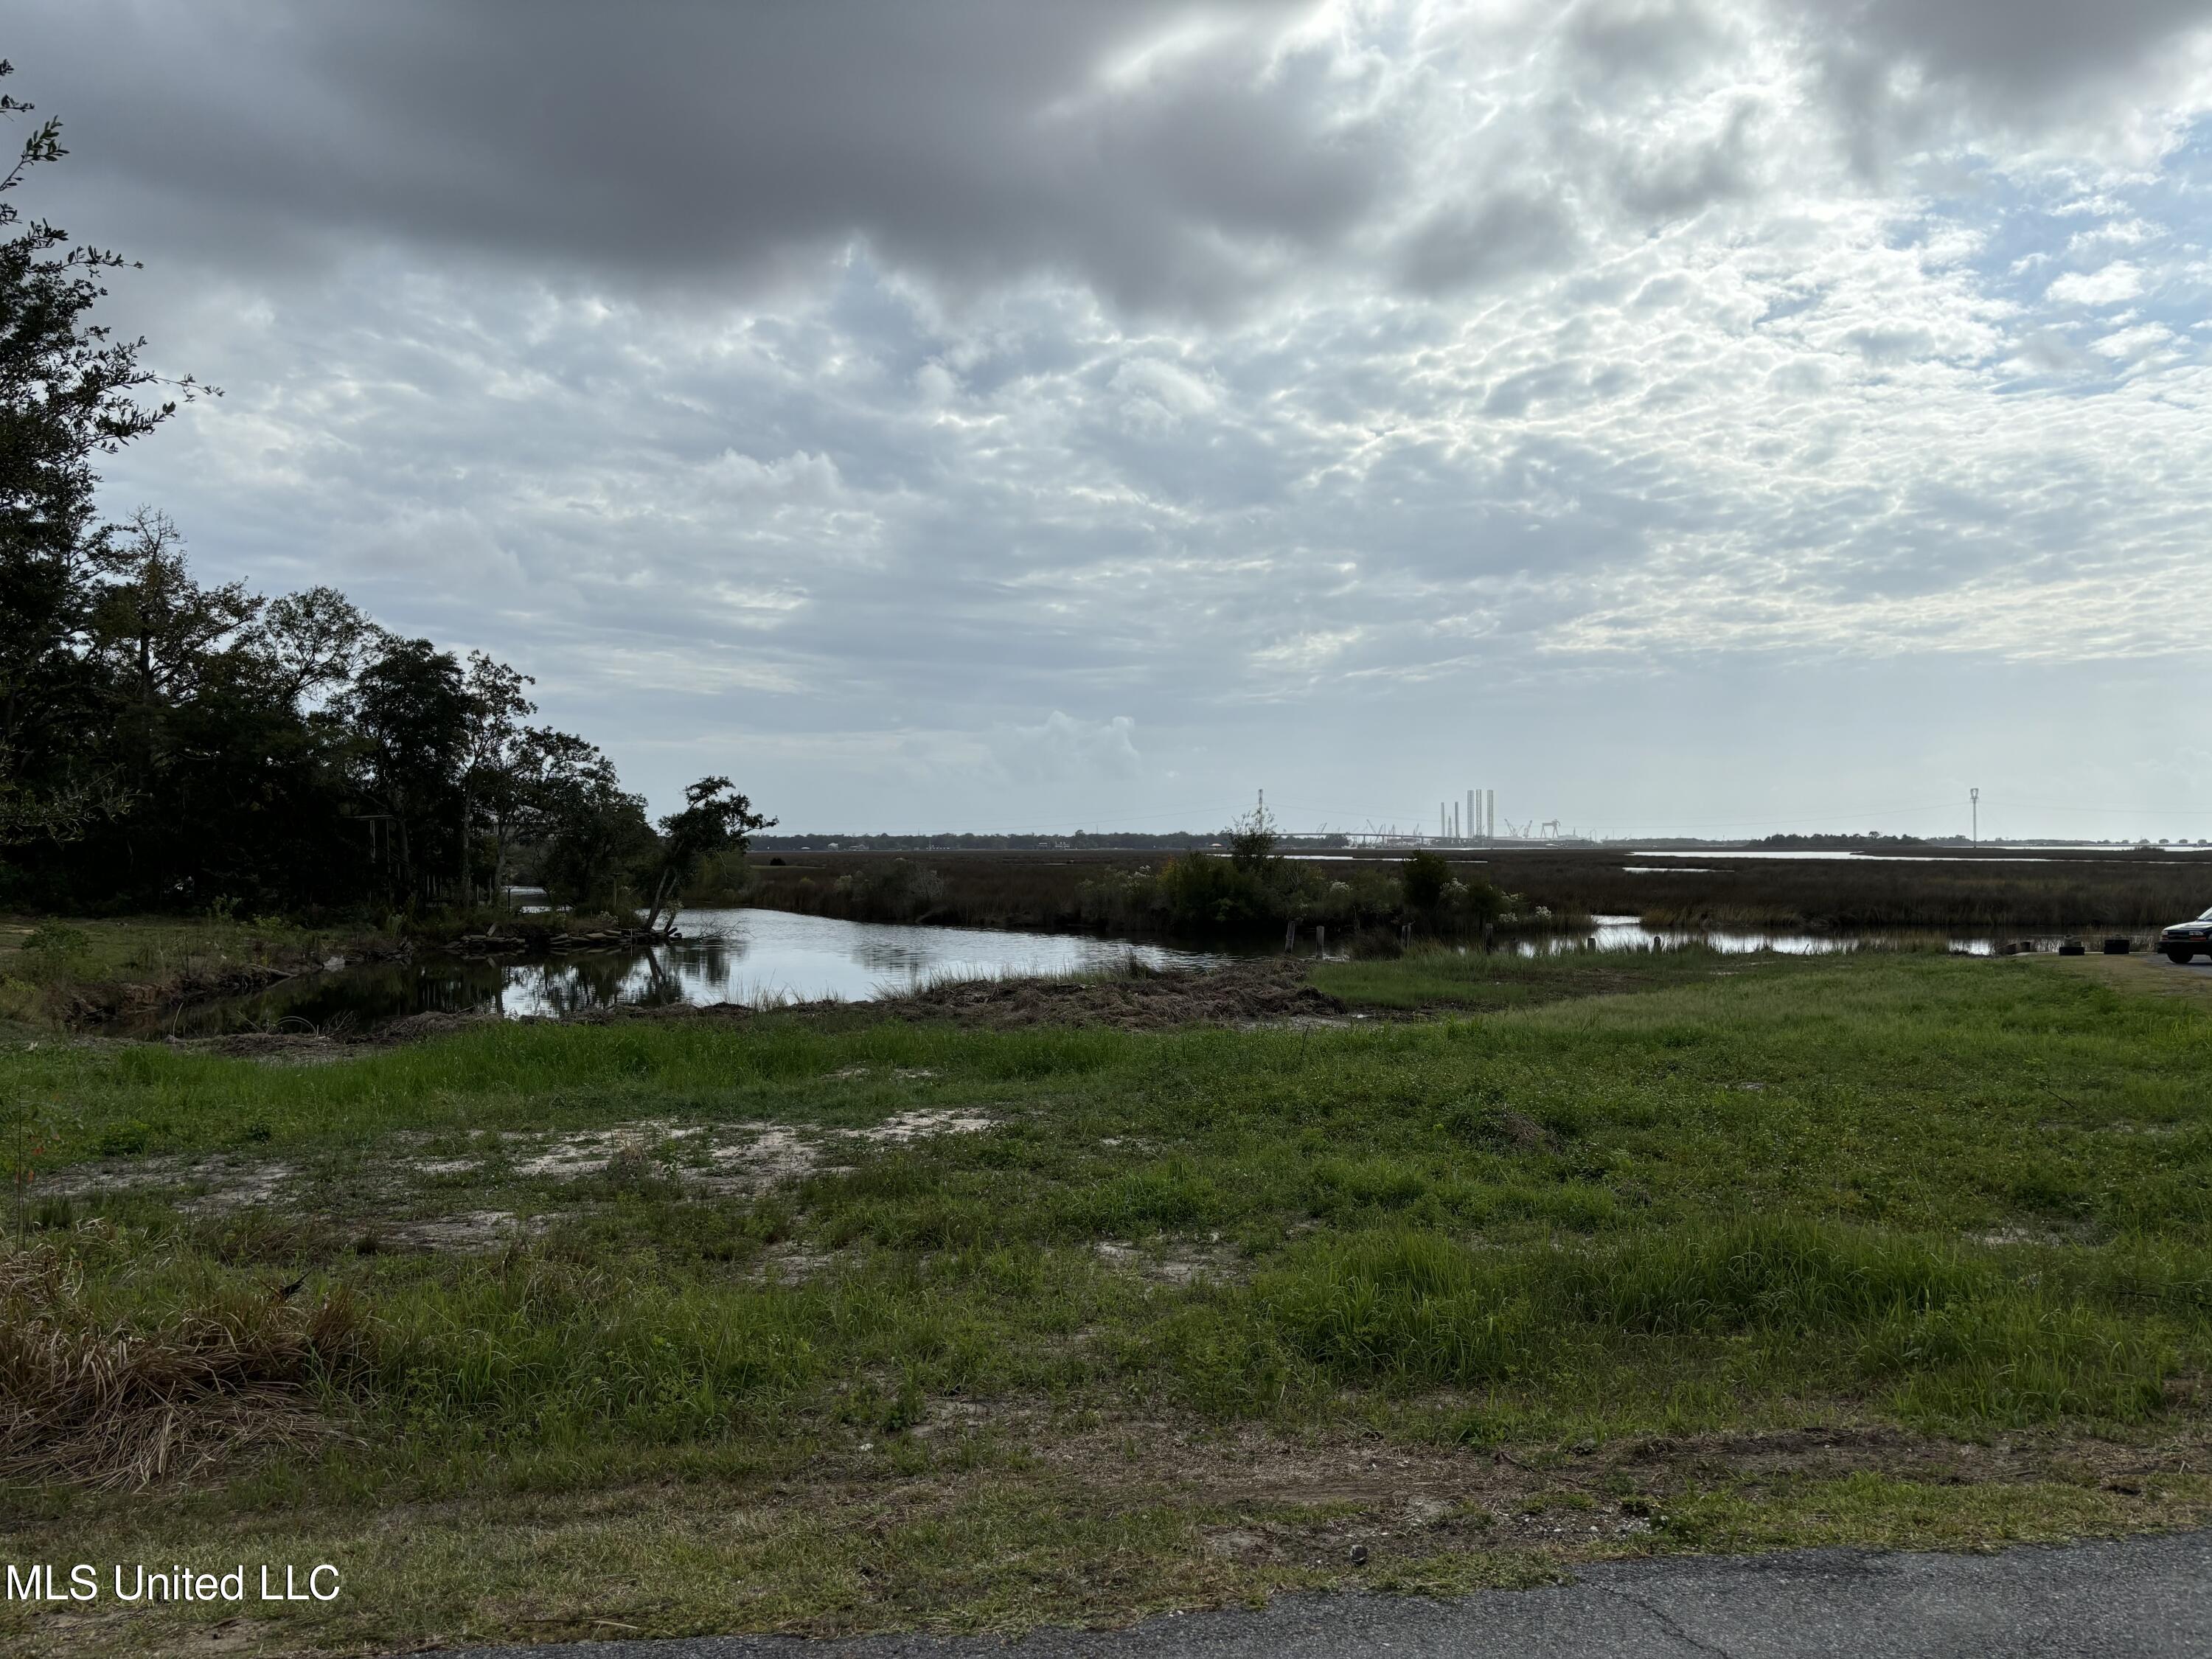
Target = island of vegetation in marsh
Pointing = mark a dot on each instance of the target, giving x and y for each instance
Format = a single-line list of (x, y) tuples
[(868, 1319), (1128, 890)]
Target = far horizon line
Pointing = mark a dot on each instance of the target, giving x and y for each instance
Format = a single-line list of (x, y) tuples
[(1380, 841)]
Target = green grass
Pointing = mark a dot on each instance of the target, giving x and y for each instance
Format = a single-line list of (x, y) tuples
[(1938, 1199), (1443, 976)]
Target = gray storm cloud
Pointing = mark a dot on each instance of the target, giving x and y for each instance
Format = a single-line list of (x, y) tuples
[(1162, 151), (864, 380)]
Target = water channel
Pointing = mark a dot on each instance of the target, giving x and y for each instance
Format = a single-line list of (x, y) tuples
[(744, 956), (764, 957)]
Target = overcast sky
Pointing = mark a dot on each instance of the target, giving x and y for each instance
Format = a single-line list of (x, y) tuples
[(1677, 415)]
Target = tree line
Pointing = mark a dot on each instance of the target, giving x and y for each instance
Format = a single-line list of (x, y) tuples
[(169, 743)]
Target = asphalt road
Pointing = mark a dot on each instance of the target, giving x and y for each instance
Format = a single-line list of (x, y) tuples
[(2144, 1598)]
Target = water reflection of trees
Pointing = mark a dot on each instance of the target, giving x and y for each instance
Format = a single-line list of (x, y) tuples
[(577, 985), (774, 955), (704, 966)]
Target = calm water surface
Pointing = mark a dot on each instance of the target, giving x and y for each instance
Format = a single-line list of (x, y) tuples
[(725, 956), (1630, 933), (756, 957)]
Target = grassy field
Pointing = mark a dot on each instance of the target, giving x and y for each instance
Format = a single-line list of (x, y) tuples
[(840, 1323)]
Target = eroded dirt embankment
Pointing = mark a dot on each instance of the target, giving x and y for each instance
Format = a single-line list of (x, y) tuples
[(1236, 994)]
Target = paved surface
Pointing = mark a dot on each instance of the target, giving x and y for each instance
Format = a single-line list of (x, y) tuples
[(2144, 1598)]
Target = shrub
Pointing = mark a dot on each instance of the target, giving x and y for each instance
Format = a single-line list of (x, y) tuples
[(1425, 877), (896, 891), (1199, 891), (1116, 898)]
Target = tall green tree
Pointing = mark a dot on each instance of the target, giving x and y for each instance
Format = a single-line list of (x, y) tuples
[(715, 818), (69, 390), (409, 711), (168, 742), (490, 755), (587, 830)]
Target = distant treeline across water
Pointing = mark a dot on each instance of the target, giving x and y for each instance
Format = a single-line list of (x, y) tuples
[(1109, 888)]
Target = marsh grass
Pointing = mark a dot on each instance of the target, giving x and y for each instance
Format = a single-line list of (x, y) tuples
[(2071, 890)]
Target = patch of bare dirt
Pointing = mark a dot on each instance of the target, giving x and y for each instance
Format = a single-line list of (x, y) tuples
[(1174, 1263), (464, 1232), (1270, 992), (593, 1152), (226, 1182), (731, 1156), (1243, 994), (919, 1125), (1347, 1492)]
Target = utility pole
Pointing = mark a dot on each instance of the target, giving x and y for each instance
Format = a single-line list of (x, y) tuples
[(1975, 797)]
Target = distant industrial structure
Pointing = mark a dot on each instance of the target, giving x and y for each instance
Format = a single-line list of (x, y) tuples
[(1472, 822)]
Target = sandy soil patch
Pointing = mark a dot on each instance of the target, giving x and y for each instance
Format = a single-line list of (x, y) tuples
[(464, 1232), (592, 1151), (920, 1125), (1175, 1262), (723, 1158), (229, 1182), (735, 1155)]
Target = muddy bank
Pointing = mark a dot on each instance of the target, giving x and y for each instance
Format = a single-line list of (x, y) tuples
[(92, 1003), (1234, 993), (556, 936), (149, 978), (1237, 994)]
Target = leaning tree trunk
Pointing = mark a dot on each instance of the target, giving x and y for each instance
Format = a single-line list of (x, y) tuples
[(663, 894)]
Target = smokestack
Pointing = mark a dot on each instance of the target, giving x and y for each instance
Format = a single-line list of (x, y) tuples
[(1440, 830), (1492, 830)]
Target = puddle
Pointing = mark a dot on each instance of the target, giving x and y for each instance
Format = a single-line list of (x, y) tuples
[(1613, 933)]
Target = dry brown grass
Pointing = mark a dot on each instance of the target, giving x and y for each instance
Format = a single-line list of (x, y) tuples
[(93, 1402)]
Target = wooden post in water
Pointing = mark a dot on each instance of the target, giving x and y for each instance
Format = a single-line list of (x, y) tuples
[(1320, 939)]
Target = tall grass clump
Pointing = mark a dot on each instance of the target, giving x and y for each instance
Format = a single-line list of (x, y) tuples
[(90, 1400), (1786, 1275), (1929, 1331), (538, 1352), (1401, 1306)]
